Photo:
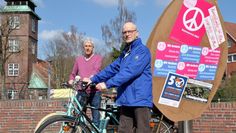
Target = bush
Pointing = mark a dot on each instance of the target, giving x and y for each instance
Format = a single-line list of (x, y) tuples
[(227, 90)]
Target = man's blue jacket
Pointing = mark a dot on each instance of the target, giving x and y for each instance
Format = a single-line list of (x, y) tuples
[(131, 74)]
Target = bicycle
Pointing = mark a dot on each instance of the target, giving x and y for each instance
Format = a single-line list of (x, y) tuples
[(160, 124), (75, 120)]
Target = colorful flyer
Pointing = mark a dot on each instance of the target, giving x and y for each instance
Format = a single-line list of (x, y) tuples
[(162, 67), (206, 72), (190, 53), (195, 62), (189, 25), (167, 51), (187, 69), (197, 90), (210, 56), (173, 90)]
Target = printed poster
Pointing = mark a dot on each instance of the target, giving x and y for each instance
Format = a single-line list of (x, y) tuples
[(197, 90), (214, 29), (189, 25), (173, 90), (208, 64)]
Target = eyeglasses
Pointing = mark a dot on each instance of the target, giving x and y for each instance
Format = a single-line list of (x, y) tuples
[(128, 31)]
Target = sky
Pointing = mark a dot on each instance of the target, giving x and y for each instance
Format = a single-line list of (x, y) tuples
[(89, 15)]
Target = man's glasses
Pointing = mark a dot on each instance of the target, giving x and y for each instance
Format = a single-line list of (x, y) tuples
[(128, 31)]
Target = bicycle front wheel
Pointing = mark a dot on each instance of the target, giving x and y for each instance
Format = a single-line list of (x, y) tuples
[(161, 127), (62, 124)]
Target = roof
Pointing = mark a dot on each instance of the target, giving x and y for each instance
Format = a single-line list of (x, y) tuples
[(230, 29), (30, 2), (36, 82), (39, 76), (19, 8)]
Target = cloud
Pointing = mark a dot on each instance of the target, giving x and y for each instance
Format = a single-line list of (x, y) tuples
[(48, 35), (135, 2), (163, 2), (112, 3), (106, 3)]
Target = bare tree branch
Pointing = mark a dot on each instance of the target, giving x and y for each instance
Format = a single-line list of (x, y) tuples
[(62, 51), (111, 33)]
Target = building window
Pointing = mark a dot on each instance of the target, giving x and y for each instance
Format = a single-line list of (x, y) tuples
[(33, 46), (14, 22), (232, 57), (230, 42), (229, 58), (12, 94), (13, 69), (33, 25), (14, 45)]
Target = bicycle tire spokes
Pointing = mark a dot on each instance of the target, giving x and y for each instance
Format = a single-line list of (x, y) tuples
[(160, 126), (62, 127)]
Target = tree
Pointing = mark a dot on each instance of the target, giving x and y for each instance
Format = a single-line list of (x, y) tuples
[(62, 51), (6, 28), (111, 33), (227, 91)]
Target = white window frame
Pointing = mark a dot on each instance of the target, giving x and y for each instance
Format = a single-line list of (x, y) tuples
[(231, 57), (33, 28), (14, 45), (12, 93), (13, 69), (33, 47), (14, 22)]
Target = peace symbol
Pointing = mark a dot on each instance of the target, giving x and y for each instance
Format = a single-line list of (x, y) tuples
[(191, 23)]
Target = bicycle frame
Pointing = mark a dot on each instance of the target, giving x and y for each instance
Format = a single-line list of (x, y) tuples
[(74, 106)]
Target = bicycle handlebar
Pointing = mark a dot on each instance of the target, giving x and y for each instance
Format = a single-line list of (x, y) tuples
[(83, 85)]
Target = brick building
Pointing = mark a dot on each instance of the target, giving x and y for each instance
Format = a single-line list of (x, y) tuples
[(231, 36), (22, 41)]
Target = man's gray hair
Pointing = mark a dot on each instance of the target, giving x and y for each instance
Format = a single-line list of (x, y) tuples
[(88, 40)]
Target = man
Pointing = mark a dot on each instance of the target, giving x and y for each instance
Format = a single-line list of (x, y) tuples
[(86, 66), (131, 74)]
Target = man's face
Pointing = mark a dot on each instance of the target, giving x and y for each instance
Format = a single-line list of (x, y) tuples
[(129, 32), (88, 48)]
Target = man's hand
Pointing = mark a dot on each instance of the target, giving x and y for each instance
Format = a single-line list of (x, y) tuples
[(70, 82), (101, 86), (87, 80)]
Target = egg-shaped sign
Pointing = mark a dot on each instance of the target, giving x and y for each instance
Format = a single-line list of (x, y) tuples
[(189, 55)]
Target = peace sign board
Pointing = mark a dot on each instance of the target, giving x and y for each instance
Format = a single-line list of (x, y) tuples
[(189, 53)]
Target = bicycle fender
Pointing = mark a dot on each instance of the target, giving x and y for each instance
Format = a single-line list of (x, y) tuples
[(49, 116)]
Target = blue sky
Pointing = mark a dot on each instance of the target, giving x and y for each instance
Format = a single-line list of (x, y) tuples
[(89, 15)]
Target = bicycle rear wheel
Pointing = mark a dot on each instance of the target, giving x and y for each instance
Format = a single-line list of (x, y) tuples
[(163, 127), (62, 124)]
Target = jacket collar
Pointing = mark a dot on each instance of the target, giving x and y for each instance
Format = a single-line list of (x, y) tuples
[(133, 44), (129, 47)]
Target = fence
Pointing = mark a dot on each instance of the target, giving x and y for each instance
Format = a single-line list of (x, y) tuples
[(21, 116)]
